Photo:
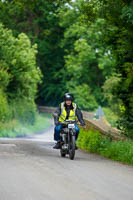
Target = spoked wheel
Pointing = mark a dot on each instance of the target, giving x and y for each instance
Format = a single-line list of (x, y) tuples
[(72, 148)]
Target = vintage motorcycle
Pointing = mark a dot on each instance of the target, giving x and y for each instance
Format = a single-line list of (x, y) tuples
[(68, 138)]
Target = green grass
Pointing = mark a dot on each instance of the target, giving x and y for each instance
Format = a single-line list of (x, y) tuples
[(92, 141), (110, 116), (47, 115), (14, 128)]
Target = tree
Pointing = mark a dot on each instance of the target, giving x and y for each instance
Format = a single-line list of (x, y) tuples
[(39, 20), (118, 14), (88, 58), (84, 47), (19, 75)]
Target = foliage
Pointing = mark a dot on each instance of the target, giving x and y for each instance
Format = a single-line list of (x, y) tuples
[(16, 129), (111, 117), (88, 58), (84, 47), (39, 20), (18, 61), (92, 141), (89, 140), (25, 112), (118, 14), (19, 77), (79, 43), (125, 92), (5, 113), (119, 151), (83, 97), (110, 88)]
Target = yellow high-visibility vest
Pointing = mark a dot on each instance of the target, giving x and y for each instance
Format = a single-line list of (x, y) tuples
[(63, 115)]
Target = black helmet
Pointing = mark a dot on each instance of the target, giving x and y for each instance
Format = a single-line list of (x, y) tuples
[(68, 96)]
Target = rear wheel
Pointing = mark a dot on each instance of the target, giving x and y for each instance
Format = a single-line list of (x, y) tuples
[(63, 154), (72, 148)]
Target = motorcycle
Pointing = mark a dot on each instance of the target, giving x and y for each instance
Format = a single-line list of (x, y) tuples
[(68, 139)]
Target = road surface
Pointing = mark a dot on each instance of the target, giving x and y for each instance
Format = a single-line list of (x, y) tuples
[(30, 169)]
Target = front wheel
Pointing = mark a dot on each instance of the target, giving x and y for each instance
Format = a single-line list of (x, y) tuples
[(72, 148)]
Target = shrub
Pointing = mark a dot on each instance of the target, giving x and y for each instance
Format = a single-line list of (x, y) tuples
[(7, 127), (16, 129), (89, 140), (4, 108), (24, 111), (111, 116), (92, 141), (83, 97), (119, 151), (19, 77)]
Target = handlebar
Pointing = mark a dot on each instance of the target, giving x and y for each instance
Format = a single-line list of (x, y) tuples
[(66, 122)]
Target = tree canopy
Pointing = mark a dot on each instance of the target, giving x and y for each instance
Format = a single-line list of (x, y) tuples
[(84, 47), (19, 75)]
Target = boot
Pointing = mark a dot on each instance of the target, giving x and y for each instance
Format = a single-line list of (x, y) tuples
[(57, 145)]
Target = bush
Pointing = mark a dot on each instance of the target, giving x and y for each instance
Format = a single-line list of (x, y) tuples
[(19, 77), (7, 127), (119, 151), (24, 111), (111, 117), (92, 141), (83, 97), (5, 113), (89, 140), (16, 129)]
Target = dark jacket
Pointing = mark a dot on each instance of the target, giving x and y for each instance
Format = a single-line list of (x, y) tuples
[(78, 114)]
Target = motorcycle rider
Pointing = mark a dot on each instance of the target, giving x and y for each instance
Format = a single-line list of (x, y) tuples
[(66, 110)]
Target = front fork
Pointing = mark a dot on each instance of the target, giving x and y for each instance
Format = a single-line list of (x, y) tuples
[(72, 132), (66, 139)]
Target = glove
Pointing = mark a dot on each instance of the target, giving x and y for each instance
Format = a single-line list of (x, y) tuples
[(56, 120), (84, 126), (64, 122)]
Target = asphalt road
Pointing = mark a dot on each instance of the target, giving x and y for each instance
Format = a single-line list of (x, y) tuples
[(31, 170)]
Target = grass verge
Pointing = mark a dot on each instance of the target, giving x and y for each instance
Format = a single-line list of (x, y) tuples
[(111, 117), (14, 128), (92, 141)]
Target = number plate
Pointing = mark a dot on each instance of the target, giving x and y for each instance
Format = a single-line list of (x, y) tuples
[(71, 125)]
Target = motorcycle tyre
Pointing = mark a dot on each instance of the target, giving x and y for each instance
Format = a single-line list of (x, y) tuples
[(72, 148), (62, 153)]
